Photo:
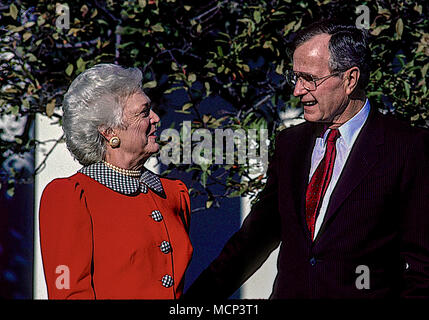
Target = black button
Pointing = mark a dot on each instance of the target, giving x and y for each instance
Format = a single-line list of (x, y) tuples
[(165, 247), (313, 261), (167, 281), (156, 215)]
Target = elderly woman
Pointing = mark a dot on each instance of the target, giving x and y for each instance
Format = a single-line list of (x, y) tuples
[(113, 230)]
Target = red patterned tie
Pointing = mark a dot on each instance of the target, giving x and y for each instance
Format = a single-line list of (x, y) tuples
[(319, 181)]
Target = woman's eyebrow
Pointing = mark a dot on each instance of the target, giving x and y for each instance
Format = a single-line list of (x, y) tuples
[(146, 105)]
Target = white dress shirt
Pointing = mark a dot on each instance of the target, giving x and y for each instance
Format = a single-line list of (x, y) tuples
[(349, 132)]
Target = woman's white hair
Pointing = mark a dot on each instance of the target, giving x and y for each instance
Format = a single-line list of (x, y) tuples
[(94, 102)]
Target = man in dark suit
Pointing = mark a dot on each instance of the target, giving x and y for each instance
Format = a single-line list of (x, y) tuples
[(347, 195)]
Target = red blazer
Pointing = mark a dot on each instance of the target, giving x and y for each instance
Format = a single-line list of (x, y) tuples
[(99, 243), (378, 217)]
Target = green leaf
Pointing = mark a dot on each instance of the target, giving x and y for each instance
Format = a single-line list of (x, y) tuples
[(378, 30), (203, 178), (26, 36), (206, 118), (31, 57), (418, 8), (257, 16), (279, 67), (407, 89), (192, 77), (15, 29), (186, 106), (378, 75), (157, 28), (210, 64), (29, 24), (94, 13), (14, 110), (182, 112), (268, 45), (102, 22), (13, 11), (50, 108), (236, 193), (174, 66), (150, 84), (69, 69), (424, 70), (288, 27), (374, 93), (209, 203), (40, 20), (170, 90), (80, 64), (207, 87), (399, 28), (10, 191), (219, 51), (415, 117)]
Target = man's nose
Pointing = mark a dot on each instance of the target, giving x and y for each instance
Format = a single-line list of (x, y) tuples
[(299, 89)]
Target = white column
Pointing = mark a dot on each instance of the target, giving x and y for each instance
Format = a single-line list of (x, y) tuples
[(58, 164), (260, 285)]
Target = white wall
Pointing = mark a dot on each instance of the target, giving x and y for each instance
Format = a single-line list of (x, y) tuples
[(59, 164), (260, 284)]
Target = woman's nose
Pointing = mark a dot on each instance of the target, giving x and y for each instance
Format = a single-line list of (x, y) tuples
[(154, 117)]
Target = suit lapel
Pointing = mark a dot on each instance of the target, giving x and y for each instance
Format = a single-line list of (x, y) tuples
[(362, 158)]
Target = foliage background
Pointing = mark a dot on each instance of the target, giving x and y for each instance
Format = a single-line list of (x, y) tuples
[(216, 63), (236, 51)]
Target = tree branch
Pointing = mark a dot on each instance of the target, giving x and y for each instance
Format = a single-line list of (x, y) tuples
[(43, 163)]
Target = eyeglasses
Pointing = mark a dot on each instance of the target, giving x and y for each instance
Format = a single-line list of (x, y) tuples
[(307, 80)]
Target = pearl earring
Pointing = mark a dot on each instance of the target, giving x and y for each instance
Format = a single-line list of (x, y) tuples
[(114, 142)]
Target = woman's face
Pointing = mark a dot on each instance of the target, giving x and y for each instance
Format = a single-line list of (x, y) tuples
[(138, 139)]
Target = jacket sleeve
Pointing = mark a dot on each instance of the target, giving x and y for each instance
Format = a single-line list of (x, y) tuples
[(66, 240), (246, 250), (415, 220)]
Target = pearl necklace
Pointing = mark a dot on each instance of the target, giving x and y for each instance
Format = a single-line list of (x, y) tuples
[(130, 173)]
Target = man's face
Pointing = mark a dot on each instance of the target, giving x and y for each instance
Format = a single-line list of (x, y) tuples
[(328, 101)]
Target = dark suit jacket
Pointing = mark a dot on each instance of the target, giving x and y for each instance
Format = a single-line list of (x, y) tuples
[(378, 216)]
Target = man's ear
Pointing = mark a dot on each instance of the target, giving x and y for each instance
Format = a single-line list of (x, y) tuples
[(351, 79)]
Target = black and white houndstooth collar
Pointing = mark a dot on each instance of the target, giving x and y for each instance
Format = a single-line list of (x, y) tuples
[(121, 183)]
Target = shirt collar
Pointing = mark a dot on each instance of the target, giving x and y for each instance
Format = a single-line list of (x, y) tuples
[(350, 129), (122, 183)]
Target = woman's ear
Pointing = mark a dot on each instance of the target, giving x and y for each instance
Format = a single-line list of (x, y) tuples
[(107, 133), (351, 77), (111, 137)]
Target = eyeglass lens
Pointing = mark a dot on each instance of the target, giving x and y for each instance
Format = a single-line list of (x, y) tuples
[(306, 82)]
